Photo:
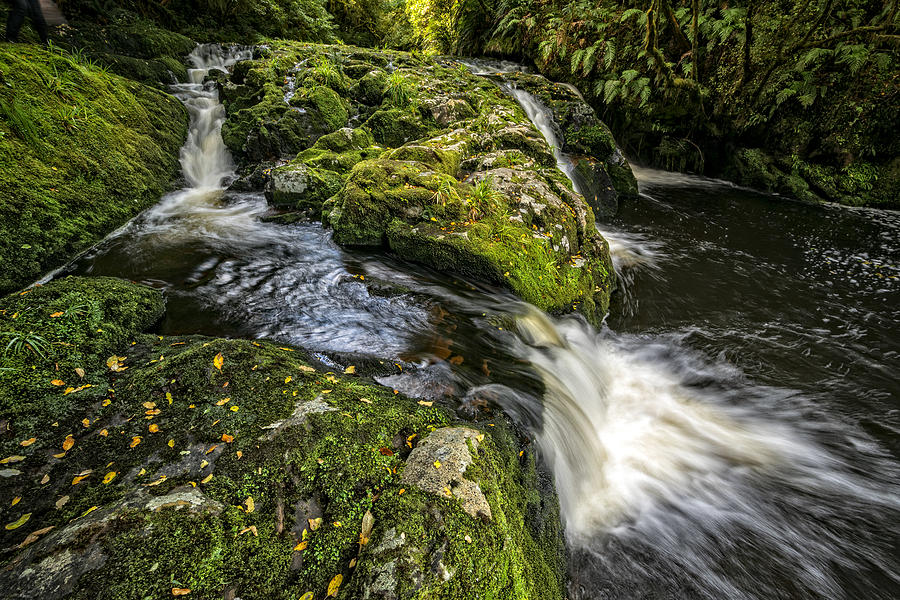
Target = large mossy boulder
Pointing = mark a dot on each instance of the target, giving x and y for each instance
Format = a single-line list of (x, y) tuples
[(140, 466), (81, 152), (439, 166)]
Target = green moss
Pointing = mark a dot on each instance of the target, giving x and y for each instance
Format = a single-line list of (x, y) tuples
[(81, 152), (394, 127), (330, 106), (238, 420)]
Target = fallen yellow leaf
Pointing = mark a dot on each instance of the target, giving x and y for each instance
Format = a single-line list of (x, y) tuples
[(56, 314), (301, 546), (19, 522), (223, 401), (171, 443), (180, 591), (90, 510), (207, 479), (234, 409), (135, 441), (307, 596), (115, 363), (57, 382), (211, 448), (149, 405), (424, 403), (15, 500), (314, 523), (335, 585), (61, 502), (227, 438), (12, 459), (45, 479), (80, 372), (288, 379), (104, 432), (109, 477), (350, 370), (251, 506), (306, 369), (86, 422), (251, 529), (81, 477), (218, 361), (153, 428), (437, 464), (169, 397)]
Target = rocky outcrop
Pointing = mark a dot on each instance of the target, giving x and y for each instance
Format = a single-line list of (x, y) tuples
[(426, 160), (155, 466)]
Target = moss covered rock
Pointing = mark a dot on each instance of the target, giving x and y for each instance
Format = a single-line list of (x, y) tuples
[(237, 468), (81, 152), (301, 188), (584, 136)]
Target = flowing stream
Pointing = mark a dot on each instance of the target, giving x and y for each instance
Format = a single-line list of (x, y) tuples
[(734, 430)]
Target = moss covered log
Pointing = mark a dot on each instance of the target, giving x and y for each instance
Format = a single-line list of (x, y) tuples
[(81, 152), (135, 465)]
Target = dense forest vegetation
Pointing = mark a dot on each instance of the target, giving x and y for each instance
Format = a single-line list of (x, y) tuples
[(797, 97)]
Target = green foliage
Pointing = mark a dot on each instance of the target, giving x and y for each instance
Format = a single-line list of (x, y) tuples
[(398, 91), (81, 152)]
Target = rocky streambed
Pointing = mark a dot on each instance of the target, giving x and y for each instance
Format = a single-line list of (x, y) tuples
[(143, 465)]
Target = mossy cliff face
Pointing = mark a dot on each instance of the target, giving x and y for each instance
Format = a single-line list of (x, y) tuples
[(424, 159), (81, 152), (135, 465)]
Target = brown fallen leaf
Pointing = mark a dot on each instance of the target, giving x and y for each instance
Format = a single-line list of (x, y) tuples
[(34, 535), (61, 502), (45, 479), (368, 522), (251, 529), (315, 523), (386, 451), (80, 372)]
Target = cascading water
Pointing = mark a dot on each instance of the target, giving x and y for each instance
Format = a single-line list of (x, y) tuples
[(725, 441)]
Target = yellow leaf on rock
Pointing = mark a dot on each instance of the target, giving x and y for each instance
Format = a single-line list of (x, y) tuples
[(79, 478), (135, 441), (115, 363), (19, 522), (106, 402), (169, 397), (45, 479), (61, 502), (204, 464), (301, 546), (350, 370), (218, 361), (68, 442), (437, 464), (153, 428), (157, 482), (211, 448), (90, 510), (315, 523), (60, 455), (207, 479), (335, 585), (109, 477), (424, 403)]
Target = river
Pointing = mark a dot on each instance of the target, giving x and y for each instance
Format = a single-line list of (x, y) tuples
[(733, 431)]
